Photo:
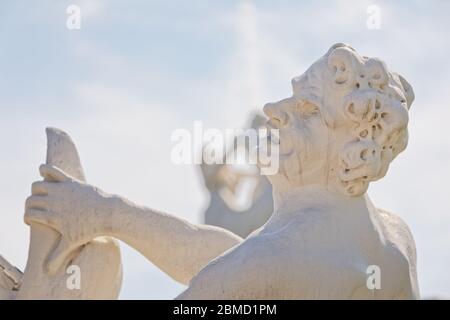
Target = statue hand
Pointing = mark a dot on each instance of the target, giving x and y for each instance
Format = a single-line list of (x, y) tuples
[(73, 208)]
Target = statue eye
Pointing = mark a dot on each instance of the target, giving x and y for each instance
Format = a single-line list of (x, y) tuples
[(308, 110)]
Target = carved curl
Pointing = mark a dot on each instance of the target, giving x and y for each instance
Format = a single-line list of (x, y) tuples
[(369, 100), (377, 110)]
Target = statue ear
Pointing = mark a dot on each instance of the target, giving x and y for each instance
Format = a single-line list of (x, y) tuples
[(409, 93)]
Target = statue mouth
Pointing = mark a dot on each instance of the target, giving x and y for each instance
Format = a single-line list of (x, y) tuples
[(285, 149)]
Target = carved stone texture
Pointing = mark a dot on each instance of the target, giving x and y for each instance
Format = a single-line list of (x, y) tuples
[(98, 260), (345, 122)]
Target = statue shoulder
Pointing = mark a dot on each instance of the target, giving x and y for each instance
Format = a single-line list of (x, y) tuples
[(398, 232), (399, 235), (238, 273)]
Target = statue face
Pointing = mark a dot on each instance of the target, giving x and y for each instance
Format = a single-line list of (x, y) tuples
[(345, 123), (302, 140)]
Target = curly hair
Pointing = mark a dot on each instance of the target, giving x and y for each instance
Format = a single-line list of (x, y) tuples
[(366, 98)]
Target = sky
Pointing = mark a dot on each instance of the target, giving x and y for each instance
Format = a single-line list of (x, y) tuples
[(138, 70)]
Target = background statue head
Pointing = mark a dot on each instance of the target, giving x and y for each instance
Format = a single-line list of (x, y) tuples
[(346, 121)]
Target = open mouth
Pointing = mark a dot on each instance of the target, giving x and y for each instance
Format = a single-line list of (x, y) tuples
[(274, 139)]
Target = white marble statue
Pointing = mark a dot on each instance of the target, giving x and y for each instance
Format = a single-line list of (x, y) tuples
[(98, 259), (345, 122)]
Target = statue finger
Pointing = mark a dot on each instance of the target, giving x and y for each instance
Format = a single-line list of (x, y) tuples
[(36, 202), (40, 216), (52, 173), (40, 188)]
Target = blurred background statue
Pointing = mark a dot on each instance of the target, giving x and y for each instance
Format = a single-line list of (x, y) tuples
[(240, 197)]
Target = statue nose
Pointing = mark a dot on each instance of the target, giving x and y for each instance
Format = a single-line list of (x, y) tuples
[(278, 118)]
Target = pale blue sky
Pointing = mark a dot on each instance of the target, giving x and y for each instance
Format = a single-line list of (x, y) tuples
[(137, 70)]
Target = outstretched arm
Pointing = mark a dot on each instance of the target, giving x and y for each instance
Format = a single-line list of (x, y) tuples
[(177, 247)]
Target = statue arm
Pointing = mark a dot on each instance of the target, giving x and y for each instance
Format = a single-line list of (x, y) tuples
[(81, 212), (179, 248)]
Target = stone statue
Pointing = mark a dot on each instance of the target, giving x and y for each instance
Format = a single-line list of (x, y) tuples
[(99, 257), (345, 122), (225, 208)]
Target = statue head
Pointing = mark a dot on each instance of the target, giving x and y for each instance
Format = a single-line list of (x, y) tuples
[(345, 123)]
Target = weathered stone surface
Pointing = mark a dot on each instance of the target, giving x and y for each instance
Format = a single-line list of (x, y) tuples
[(345, 122)]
